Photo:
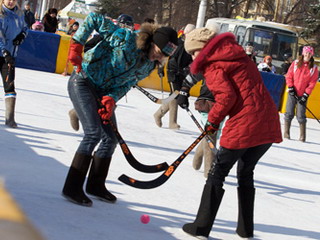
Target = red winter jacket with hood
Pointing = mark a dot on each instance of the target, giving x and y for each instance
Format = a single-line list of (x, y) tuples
[(239, 93), (302, 79)]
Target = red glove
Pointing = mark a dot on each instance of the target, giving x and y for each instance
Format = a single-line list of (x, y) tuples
[(75, 54), (211, 128), (106, 111)]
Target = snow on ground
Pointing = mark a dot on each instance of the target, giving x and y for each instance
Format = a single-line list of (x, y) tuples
[(36, 156)]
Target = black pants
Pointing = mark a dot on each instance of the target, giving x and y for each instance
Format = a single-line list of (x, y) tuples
[(247, 159), (7, 74)]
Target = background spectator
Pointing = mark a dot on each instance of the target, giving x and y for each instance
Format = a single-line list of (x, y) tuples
[(73, 28), (28, 15), (50, 20), (13, 30), (267, 66), (287, 62), (149, 20), (249, 49), (38, 26), (177, 71)]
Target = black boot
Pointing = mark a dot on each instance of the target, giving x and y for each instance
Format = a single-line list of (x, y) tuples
[(73, 187), (209, 205), (245, 215), (96, 180)]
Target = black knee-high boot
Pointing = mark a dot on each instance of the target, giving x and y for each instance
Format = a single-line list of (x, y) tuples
[(73, 187), (245, 216), (97, 177), (209, 205)]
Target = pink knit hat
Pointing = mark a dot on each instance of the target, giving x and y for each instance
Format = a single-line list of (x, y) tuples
[(307, 49)]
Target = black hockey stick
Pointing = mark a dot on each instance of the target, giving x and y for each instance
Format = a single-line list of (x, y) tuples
[(124, 147), (11, 67), (131, 159), (164, 176), (313, 114), (208, 138), (155, 99), (296, 97)]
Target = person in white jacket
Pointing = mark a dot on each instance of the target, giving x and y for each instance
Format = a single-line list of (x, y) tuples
[(267, 66)]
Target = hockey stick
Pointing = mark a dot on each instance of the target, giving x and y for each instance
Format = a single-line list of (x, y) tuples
[(313, 114), (11, 66), (124, 147), (208, 138), (296, 97), (155, 99), (164, 176)]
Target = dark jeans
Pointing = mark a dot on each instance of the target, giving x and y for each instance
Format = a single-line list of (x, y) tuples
[(247, 159), (8, 75), (86, 107)]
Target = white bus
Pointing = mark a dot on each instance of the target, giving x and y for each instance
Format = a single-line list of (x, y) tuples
[(267, 39)]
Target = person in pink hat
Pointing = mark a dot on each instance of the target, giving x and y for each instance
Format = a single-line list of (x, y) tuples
[(301, 78)]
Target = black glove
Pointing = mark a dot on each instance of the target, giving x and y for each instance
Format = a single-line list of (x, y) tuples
[(19, 38), (211, 128), (292, 91), (303, 99), (7, 57), (182, 98)]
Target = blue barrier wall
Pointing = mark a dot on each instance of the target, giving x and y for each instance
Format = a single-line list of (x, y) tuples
[(39, 51), (275, 84)]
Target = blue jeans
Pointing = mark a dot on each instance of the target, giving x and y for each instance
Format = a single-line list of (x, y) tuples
[(86, 107)]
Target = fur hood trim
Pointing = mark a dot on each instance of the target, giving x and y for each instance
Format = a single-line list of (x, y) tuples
[(144, 37)]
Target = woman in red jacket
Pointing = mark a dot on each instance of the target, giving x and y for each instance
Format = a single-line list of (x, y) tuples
[(301, 78), (252, 127)]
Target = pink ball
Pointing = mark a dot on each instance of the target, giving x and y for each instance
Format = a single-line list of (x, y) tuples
[(145, 219)]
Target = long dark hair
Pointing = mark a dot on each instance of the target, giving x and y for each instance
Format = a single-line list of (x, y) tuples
[(300, 62)]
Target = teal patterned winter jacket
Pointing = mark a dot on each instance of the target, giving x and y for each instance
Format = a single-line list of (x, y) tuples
[(115, 64)]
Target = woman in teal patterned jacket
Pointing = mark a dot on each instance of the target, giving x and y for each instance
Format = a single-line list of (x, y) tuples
[(121, 59)]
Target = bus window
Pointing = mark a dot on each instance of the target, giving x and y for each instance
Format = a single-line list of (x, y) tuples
[(284, 44), (240, 33), (224, 28), (262, 41)]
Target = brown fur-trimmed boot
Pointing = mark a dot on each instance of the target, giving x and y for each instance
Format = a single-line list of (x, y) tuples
[(164, 108)]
